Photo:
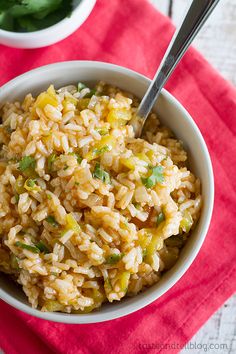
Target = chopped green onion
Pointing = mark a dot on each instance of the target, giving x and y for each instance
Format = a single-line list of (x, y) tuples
[(42, 247), (101, 174), (114, 258), (51, 220), (155, 177), (17, 197), (27, 247)]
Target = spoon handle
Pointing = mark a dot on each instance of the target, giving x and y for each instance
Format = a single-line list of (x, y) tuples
[(183, 37)]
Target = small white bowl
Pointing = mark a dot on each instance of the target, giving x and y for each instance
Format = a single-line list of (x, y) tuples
[(171, 114), (52, 34)]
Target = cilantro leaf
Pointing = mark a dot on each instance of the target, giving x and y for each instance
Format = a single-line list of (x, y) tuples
[(155, 177), (28, 7), (101, 151), (32, 15), (101, 174), (6, 21), (27, 162)]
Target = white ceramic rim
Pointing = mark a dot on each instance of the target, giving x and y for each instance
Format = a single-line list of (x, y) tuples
[(37, 34), (141, 302)]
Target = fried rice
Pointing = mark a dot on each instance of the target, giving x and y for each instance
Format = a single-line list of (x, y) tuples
[(89, 213)]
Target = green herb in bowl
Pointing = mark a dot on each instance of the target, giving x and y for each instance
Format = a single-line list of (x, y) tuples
[(32, 15)]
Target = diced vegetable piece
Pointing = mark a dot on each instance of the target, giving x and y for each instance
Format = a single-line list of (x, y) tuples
[(48, 97), (81, 86), (155, 177), (98, 298), (101, 174), (53, 306), (22, 245), (83, 103), (187, 222), (144, 237), (31, 186), (107, 285), (105, 144), (17, 197), (114, 258), (118, 117), (69, 99), (72, 224), (51, 90), (128, 162), (19, 185), (143, 157), (154, 242), (124, 281), (150, 154), (51, 220), (160, 218), (42, 247)]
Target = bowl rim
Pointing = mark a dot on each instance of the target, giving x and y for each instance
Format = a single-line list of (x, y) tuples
[(142, 302), (43, 31)]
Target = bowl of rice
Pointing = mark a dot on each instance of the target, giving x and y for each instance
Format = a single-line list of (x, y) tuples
[(95, 223)]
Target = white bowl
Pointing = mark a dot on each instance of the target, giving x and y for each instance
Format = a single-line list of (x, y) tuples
[(52, 34), (171, 114)]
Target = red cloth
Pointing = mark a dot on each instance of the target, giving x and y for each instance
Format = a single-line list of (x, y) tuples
[(133, 34)]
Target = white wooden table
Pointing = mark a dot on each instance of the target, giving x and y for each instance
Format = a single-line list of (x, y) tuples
[(217, 42)]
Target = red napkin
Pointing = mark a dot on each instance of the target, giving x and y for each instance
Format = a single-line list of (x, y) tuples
[(133, 34)]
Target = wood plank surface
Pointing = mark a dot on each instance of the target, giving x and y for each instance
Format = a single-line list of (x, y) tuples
[(217, 39)]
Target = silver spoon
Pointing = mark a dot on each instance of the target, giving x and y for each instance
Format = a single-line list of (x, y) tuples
[(196, 16)]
